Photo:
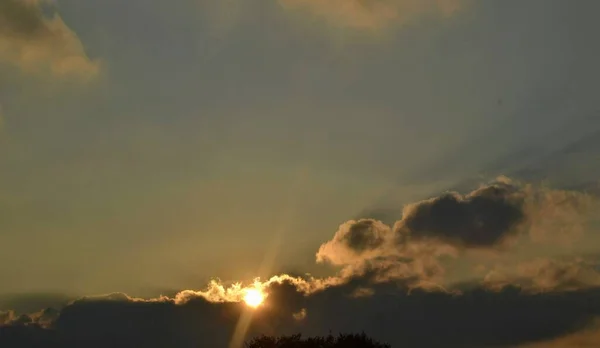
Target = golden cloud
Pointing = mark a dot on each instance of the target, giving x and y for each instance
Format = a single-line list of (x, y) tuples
[(36, 42)]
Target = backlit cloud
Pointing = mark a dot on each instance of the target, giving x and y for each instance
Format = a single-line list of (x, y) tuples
[(476, 318), (37, 42)]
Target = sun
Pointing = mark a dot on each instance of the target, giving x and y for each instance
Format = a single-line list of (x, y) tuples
[(254, 298)]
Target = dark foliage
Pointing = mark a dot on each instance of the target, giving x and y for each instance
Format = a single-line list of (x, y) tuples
[(330, 341)]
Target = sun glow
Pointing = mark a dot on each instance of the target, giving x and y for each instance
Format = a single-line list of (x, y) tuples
[(254, 298)]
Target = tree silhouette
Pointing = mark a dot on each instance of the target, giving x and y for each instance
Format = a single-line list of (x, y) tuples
[(297, 341)]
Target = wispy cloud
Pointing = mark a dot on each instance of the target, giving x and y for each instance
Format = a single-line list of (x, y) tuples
[(374, 14), (547, 275)]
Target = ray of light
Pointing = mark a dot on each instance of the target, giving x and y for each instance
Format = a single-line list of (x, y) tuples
[(287, 216)]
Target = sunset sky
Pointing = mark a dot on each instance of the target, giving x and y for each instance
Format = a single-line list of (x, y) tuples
[(147, 147)]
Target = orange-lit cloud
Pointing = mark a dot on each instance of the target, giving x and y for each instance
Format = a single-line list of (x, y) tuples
[(219, 292), (6, 317), (38, 43), (373, 14), (370, 248)]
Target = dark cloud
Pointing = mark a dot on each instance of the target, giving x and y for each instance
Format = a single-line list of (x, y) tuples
[(476, 318), (482, 218), (364, 235)]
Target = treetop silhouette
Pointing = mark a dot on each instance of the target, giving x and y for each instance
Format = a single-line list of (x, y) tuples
[(330, 341)]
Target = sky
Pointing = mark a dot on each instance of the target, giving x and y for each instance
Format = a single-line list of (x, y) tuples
[(358, 147)]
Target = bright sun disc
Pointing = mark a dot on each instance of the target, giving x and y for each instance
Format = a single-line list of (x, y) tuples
[(253, 298)]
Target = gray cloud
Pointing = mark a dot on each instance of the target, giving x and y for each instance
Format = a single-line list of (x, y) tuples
[(490, 218), (36, 42), (475, 318), (364, 235), (482, 218)]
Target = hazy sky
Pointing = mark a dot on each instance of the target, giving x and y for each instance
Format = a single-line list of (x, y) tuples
[(151, 145), (434, 164)]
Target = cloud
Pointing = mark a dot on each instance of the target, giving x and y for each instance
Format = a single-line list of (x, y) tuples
[(357, 240), (370, 249), (547, 275), (494, 213), (6, 317), (587, 338), (36, 42), (482, 218), (476, 318), (218, 292), (374, 14), (558, 216), (491, 217), (389, 285)]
